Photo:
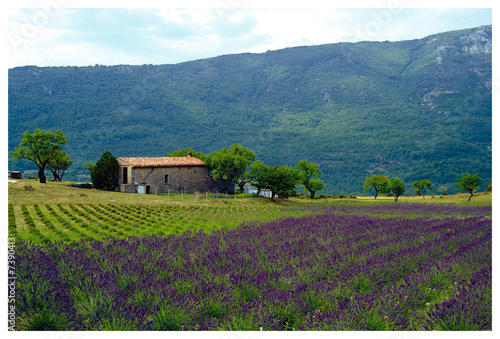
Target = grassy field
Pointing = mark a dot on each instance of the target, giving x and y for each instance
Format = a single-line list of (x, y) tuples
[(479, 199), (57, 212), (61, 193)]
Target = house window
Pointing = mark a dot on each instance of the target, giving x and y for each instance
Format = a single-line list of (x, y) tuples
[(166, 179), (125, 175)]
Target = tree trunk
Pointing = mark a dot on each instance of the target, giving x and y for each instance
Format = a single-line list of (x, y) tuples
[(226, 183), (396, 198), (41, 176), (56, 175), (241, 187), (376, 194), (312, 194), (62, 175), (470, 196)]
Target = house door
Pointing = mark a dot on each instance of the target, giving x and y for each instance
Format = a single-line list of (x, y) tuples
[(125, 175)]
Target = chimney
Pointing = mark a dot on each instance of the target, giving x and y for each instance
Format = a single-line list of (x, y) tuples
[(189, 155)]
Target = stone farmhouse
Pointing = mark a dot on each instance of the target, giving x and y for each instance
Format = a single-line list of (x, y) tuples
[(153, 175)]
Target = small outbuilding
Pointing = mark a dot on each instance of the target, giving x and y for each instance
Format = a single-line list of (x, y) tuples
[(14, 174)]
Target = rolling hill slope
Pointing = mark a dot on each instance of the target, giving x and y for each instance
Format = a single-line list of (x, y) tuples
[(412, 109)]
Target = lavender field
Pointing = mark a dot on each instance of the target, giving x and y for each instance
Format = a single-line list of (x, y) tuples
[(406, 209), (342, 269)]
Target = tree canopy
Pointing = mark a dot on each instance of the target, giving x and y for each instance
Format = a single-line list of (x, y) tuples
[(257, 172), (309, 176), (469, 183), (281, 180), (422, 186), (229, 164), (379, 183), (59, 164), (184, 152), (243, 179), (396, 188), (41, 147)]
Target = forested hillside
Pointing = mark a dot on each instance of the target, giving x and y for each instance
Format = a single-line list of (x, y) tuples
[(418, 109)]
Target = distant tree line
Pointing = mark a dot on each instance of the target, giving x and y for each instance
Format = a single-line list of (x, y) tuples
[(381, 184)]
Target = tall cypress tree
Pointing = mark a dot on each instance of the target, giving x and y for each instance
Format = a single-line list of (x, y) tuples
[(104, 173)]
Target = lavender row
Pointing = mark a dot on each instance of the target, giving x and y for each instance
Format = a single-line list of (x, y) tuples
[(322, 272), (420, 209)]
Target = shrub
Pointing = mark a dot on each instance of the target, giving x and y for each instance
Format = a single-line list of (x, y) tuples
[(489, 188), (247, 195)]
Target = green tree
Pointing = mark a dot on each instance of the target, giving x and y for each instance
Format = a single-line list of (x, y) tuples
[(315, 185), (377, 182), (184, 153), (489, 188), (59, 164), (280, 180), (40, 147), (229, 164), (469, 183), (104, 173), (257, 172), (89, 165), (396, 188), (422, 186), (244, 179), (309, 176)]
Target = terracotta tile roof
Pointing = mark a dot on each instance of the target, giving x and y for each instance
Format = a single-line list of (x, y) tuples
[(161, 161)]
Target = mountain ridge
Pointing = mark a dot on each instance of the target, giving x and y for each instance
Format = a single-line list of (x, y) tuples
[(413, 109)]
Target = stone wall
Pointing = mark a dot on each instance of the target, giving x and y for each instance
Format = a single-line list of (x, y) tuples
[(187, 179)]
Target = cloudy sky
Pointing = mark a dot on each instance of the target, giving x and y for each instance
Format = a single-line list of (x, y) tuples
[(70, 35)]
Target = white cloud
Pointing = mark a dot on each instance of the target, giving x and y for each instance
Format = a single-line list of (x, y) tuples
[(175, 15), (289, 27), (201, 18), (114, 36), (237, 16)]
